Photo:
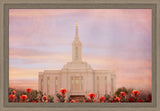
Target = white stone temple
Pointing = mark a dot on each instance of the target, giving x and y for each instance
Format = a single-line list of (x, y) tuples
[(77, 77)]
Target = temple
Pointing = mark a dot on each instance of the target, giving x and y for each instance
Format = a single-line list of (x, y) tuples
[(77, 76)]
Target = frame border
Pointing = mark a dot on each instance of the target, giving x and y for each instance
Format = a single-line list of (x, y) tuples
[(5, 55)]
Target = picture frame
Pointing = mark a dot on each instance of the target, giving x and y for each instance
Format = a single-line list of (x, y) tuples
[(80, 4)]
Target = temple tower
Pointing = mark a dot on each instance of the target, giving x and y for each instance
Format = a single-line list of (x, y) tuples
[(76, 47)]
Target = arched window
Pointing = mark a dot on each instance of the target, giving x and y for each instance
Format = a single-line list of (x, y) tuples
[(77, 83), (76, 53), (41, 85), (81, 82)]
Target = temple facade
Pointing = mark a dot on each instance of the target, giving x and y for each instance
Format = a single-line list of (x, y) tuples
[(77, 77)]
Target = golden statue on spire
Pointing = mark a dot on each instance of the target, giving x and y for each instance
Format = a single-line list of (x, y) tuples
[(76, 23)]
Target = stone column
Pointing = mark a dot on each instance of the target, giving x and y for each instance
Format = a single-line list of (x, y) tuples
[(74, 83), (94, 82), (45, 84), (39, 83), (109, 84), (80, 82)]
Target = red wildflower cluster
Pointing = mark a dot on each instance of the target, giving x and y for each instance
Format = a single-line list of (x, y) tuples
[(33, 101), (135, 93), (150, 96), (61, 96), (39, 97), (11, 97), (13, 92), (73, 101), (63, 91), (45, 97), (149, 99), (102, 99), (140, 100), (116, 99), (92, 95), (28, 90), (131, 99), (122, 94), (23, 98)]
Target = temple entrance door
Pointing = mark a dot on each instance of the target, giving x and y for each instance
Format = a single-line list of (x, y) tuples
[(78, 98)]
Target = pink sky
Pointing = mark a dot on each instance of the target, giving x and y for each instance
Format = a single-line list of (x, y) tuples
[(112, 39)]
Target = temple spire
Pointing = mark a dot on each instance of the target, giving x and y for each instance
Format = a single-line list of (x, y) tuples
[(76, 36), (76, 47)]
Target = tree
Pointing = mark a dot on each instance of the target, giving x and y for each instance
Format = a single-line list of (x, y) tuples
[(122, 89)]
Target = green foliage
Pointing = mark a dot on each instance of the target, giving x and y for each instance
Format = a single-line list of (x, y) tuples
[(122, 89), (18, 96), (60, 97), (50, 98), (69, 99), (40, 92), (107, 96), (33, 95)]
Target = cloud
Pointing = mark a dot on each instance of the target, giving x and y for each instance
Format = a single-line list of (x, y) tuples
[(118, 39), (23, 84)]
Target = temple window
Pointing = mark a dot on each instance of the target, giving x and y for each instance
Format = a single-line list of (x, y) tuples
[(76, 53), (41, 85), (81, 82), (77, 83)]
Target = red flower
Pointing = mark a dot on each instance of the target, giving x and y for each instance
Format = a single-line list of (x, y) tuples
[(33, 101), (38, 96), (102, 99), (135, 92), (132, 95), (45, 97), (11, 97), (73, 101), (131, 99), (13, 92), (60, 94), (140, 100), (110, 99), (92, 95), (122, 94), (117, 98), (89, 99), (23, 97), (148, 100), (28, 90), (150, 96), (63, 91)]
